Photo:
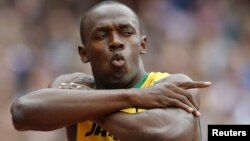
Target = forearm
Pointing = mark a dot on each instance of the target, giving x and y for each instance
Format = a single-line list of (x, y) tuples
[(155, 124), (49, 109)]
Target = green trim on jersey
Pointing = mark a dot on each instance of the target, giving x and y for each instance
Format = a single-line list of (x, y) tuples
[(142, 81)]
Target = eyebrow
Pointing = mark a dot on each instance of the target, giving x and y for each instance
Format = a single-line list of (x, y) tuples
[(106, 27), (101, 28), (127, 26)]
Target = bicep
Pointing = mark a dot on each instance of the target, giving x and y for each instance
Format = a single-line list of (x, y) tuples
[(174, 124), (154, 124)]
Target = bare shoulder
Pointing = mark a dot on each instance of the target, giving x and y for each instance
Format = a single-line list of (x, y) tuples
[(178, 77), (77, 77)]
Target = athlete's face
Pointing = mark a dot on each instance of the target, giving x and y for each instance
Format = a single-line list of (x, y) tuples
[(113, 44)]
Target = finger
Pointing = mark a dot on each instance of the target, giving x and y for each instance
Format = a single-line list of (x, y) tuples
[(177, 103), (65, 86), (185, 107), (78, 86), (198, 114), (187, 95), (181, 98), (184, 100), (193, 84), (63, 83), (73, 84)]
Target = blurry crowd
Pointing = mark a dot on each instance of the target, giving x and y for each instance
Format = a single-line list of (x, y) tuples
[(207, 40)]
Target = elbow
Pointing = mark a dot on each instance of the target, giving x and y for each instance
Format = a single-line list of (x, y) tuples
[(19, 115), (26, 115)]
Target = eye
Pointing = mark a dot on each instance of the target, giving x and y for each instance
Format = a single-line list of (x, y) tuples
[(127, 32), (101, 36)]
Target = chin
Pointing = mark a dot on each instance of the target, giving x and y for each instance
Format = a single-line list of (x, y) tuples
[(116, 83)]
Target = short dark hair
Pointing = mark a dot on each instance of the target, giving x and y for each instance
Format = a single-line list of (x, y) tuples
[(83, 19)]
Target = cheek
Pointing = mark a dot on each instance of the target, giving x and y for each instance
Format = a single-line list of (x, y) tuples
[(134, 51), (97, 51), (134, 42), (135, 47)]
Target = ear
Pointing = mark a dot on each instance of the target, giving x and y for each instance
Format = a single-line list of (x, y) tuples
[(83, 54), (143, 45)]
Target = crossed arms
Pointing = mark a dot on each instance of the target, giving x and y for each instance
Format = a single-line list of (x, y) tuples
[(38, 111)]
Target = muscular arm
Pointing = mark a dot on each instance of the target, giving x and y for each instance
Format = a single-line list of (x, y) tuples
[(170, 124), (53, 108), (37, 112)]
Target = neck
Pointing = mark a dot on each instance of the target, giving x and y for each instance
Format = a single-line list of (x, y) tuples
[(126, 85), (136, 79), (130, 82)]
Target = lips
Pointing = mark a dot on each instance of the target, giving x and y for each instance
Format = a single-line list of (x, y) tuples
[(117, 60)]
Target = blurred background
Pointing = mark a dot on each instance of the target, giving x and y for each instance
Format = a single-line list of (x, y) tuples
[(207, 40)]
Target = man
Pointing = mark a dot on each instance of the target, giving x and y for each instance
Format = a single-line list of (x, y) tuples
[(121, 101)]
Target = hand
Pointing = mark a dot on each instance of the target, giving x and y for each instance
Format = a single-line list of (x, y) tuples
[(170, 94), (75, 86)]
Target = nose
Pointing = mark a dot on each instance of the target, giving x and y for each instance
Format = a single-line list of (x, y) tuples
[(115, 43)]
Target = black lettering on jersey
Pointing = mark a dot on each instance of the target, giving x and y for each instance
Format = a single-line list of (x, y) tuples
[(91, 131), (99, 130)]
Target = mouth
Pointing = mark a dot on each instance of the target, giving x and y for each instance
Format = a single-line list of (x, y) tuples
[(117, 60)]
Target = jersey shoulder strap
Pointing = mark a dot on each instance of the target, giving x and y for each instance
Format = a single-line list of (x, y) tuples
[(150, 79)]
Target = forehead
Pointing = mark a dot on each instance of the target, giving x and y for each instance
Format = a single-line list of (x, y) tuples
[(108, 15)]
